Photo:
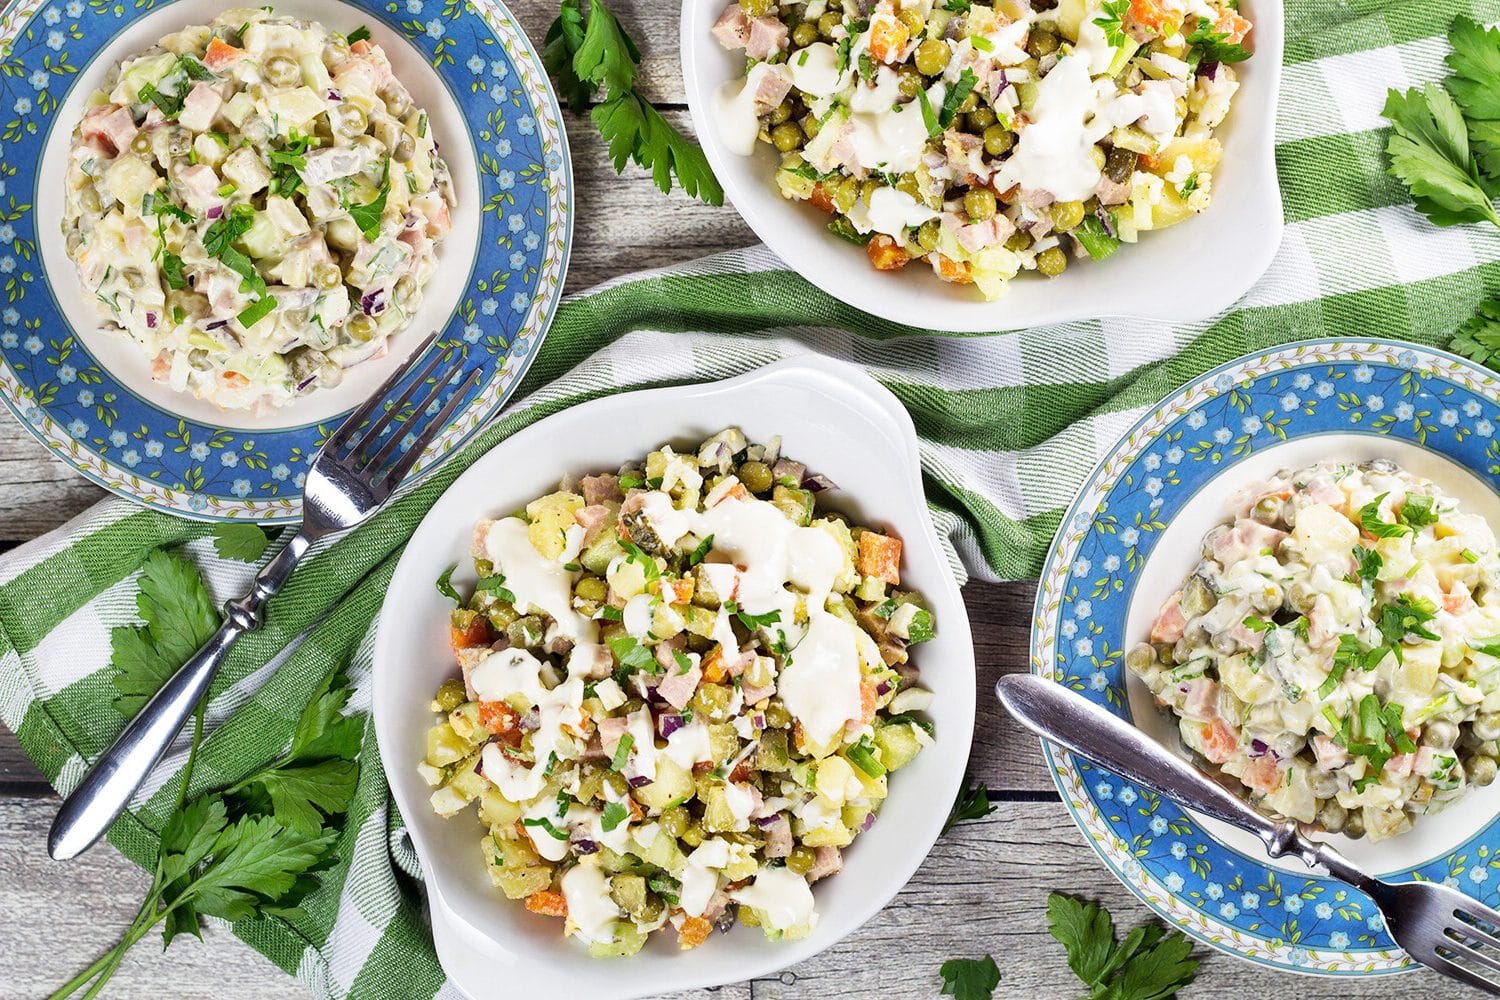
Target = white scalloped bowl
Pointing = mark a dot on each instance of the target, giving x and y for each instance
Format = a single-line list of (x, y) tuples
[(841, 423), (1180, 274)]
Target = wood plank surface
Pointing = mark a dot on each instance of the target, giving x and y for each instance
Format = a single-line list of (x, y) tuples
[(983, 890)]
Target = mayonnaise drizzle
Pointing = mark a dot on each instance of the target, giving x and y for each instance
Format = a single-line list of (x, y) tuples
[(782, 898), (738, 111), (589, 905)]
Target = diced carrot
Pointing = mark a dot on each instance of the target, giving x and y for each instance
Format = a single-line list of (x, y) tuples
[(714, 671), (463, 634), (501, 720), (886, 254), (235, 380), (880, 557), (1158, 15), (950, 270), (888, 36), (741, 771), (1232, 25), (547, 903), (1457, 604), (867, 700), (1220, 741), (1170, 622), (361, 47), (680, 591), (821, 198), (693, 932), (220, 54), (735, 492)]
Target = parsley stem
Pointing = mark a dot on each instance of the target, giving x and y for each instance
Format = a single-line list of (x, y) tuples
[(104, 966)]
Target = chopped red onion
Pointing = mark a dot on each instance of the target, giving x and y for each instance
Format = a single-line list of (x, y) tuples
[(373, 303), (818, 483), (334, 95), (770, 820), (869, 822), (216, 324), (1209, 69), (215, 211), (530, 722), (883, 687), (638, 781), (1259, 748), (309, 380), (668, 723), (151, 320), (586, 847)]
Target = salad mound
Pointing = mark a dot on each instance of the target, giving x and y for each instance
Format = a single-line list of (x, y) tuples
[(986, 138), (683, 689), (257, 203), (1337, 651)]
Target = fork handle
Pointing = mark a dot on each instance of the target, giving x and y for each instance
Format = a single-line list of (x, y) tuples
[(105, 791), (1070, 720)]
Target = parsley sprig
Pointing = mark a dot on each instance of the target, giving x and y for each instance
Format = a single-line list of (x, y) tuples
[(585, 55), (973, 802), (1149, 964), (1478, 339), (241, 853), (970, 978), (1444, 144)]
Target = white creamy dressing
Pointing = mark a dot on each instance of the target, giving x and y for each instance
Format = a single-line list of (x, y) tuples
[(821, 683), (546, 845), (1008, 43), (889, 211), (543, 586), (738, 111), (741, 800), (782, 898), (510, 672), (1093, 43), (700, 879), (815, 70), (1072, 112), (685, 747), (879, 97), (638, 613), (589, 904), (891, 141)]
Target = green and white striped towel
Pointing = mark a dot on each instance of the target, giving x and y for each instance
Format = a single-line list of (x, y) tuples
[(1010, 424)]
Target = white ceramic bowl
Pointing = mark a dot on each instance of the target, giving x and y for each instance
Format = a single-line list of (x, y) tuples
[(1180, 274), (841, 423)]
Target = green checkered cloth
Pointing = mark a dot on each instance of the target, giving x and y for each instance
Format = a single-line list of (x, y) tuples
[(1010, 424)]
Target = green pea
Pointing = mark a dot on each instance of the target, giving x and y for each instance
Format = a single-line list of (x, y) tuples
[(828, 23), (787, 137), (932, 56), (693, 835), (1052, 262), (1041, 43), (782, 112), (804, 34), (980, 204), (927, 235), (674, 822), (757, 8), (998, 139), (449, 696), (845, 194), (1018, 241), (756, 476), (327, 276), (810, 127), (970, 102), (1067, 215), (360, 328), (911, 82), (283, 71), (801, 859), (913, 21), (868, 188), (907, 184), (591, 588), (980, 119)]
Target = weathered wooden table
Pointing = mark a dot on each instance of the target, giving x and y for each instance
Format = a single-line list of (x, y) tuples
[(982, 890)]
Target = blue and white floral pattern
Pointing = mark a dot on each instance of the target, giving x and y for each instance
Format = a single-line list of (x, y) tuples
[(90, 420), (1231, 900)]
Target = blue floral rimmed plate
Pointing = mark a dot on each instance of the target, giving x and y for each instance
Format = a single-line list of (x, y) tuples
[(1133, 534), (88, 396)]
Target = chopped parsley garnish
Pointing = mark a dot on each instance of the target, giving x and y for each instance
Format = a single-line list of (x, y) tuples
[(227, 228), (1255, 623), (752, 621), (152, 205), (495, 584), (1369, 520), (367, 217), (973, 802), (287, 164), (545, 824), (956, 96), (636, 554), (1418, 511), (170, 106), (256, 311), (445, 586), (1405, 616), (359, 34), (1095, 240), (701, 552), (683, 663), (1111, 19), (1209, 45), (632, 655), (614, 814), (622, 753), (171, 269), (1367, 564)]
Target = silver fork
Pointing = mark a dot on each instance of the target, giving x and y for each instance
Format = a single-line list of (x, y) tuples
[(1437, 926), (352, 475)]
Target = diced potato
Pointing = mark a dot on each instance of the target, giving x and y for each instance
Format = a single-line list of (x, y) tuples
[(898, 745), (835, 836), (244, 168), (129, 178), (295, 108), (551, 516)]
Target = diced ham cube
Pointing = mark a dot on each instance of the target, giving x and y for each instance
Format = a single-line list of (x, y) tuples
[(479, 548), (752, 694), (1400, 766), (977, 236), (1264, 773), (1220, 741), (594, 518), (116, 127), (199, 186), (598, 489), (826, 861), (767, 37), (772, 89), (1170, 621), (1202, 700), (778, 837), (677, 688), (611, 728), (732, 29), (1112, 192), (958, 145), (200, 107), (1328, 753), (469, 658), (1247, 537)]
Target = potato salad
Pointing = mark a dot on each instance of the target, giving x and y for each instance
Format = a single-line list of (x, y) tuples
[(257, 204), (986, 138), (1338, 648), (683, 689)]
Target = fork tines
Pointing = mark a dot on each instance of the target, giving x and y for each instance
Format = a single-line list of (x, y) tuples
[(356, 443), (1470, 950)]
